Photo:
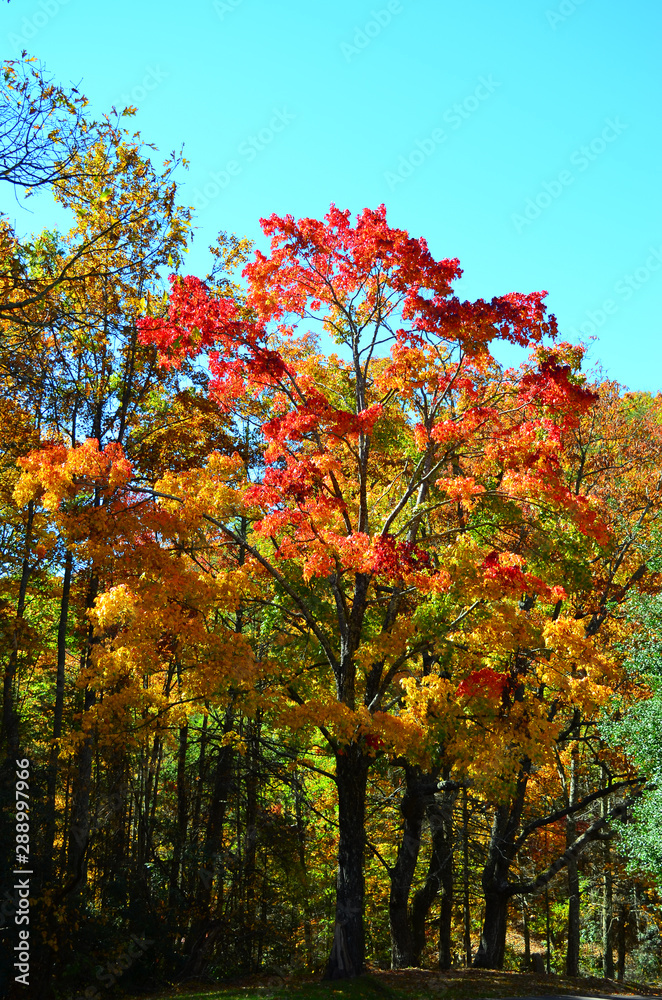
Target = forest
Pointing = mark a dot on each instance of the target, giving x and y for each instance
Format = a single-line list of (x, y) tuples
[(329, 641)]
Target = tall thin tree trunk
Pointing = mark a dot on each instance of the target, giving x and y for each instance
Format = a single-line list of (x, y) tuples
[(194, 836), (607, 907), (548, 939), (500, 857), (204, 930), (440, 876), (65, 817), (182, 816), (81, 788), (347, 957), (79, 831), (622, 921), (301, 842), (572, 953), (54, 756), (607, 943), (250, 895), (412, 809), (527, 934), (10, 725), (443, 836)]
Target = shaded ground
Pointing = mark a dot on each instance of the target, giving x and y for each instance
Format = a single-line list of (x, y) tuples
[(411, 984)]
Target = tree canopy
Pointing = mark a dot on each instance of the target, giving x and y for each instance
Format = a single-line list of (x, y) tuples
[(322, 628)]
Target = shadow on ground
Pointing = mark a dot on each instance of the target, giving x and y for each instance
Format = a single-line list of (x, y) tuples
[(409, 984)]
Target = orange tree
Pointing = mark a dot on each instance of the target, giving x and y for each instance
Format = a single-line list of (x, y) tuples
[(356, 525), (562, 664), (554, 669)]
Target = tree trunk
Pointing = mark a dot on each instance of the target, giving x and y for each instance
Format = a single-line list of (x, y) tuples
[(79, 832), (446, 911), (622, 921), (49, 837), (527, 935), (440, 876), (607, 893), (194, 835), (607, 944), (572, 953), (250, 893), (444, 845), (179, 838), (347, 958), (412, 808), (492, 947), (548, 939), (206, 930), (223, 780), (301, 843), (10, 725), (408, 925)]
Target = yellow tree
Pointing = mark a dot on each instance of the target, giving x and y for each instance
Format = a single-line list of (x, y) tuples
[(571, 659)]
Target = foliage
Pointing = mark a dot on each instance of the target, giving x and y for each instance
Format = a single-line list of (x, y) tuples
[(639, 731), (244, 582)]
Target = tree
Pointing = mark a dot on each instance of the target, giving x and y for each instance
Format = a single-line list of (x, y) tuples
[(611, 456), (80, 371), (358, 527), (47, 141), (207, 658), (42, 127)]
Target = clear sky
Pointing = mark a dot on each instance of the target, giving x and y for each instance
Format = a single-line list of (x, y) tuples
[(522, 137)]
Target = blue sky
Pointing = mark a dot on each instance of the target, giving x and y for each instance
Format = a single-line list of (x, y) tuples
[(523, 138)]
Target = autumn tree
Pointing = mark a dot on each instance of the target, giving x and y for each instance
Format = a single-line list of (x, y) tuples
[(358, 525), (611, 456), (290, 570), (49, 143), (562, 669), (81, 372)]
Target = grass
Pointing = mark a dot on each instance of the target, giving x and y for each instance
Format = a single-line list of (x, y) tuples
[(406, 984)]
